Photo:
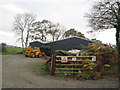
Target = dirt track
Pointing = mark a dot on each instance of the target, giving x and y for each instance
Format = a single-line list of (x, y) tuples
[(16, 74)]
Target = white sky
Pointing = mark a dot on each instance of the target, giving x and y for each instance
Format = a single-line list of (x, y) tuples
[(69, 13)]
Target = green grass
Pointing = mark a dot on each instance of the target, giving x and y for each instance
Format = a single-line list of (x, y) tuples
[(11, 50), (42, 68), (39, 68)]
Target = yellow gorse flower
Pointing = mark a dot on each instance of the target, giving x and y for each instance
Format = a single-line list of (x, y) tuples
[(85, 65), (79, 71), (106, 65), (91, 68)]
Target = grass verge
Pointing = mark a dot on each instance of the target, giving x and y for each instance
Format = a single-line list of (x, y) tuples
[(11, 50), (39, 68)]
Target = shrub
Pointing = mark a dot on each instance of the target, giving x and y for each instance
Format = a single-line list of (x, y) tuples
[(106, 57), (105, 54), (106, 60), (3, 47), (89, 71)]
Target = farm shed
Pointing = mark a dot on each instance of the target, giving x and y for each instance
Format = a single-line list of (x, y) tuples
[(68, 44), (65, 44)]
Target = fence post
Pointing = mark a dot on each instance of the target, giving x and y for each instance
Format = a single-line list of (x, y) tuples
[(53, 65)]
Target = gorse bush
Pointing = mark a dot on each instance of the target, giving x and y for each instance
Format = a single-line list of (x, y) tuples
[(106, 60), (105, 54), (89, 71)]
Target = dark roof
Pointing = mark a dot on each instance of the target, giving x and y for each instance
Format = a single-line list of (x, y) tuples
[(69, 43), (74, 37), (38, 44)]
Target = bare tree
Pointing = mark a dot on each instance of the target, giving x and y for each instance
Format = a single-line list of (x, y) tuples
[(29, 18), (19, 27), (22, 26), (104, 16)]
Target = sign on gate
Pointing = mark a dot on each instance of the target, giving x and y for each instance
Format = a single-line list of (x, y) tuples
[(63, 59), (73, 59)]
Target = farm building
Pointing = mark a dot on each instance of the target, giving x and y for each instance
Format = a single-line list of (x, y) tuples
[(36, 44), (43, 47), (65, 44)]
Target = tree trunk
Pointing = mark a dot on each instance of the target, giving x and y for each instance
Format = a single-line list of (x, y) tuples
[(118, 32), (26, 43), (53, 37), (118, 40), (22, 41), (42, 37)]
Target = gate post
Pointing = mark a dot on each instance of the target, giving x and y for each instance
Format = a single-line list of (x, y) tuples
[(53, 65)]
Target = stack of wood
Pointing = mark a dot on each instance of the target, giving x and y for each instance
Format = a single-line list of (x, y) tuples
[(64, 53)]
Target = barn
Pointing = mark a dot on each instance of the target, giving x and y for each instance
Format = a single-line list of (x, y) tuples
[(65, 44)]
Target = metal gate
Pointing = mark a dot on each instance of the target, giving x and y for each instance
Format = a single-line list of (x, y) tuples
[(69, 64)]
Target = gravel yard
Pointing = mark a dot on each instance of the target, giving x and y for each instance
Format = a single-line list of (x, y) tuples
[(17, 74)]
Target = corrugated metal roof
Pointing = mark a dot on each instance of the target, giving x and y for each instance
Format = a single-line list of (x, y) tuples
[(65, 44)]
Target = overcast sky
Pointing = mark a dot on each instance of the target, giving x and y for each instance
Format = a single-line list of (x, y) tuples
[(69, 13)]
